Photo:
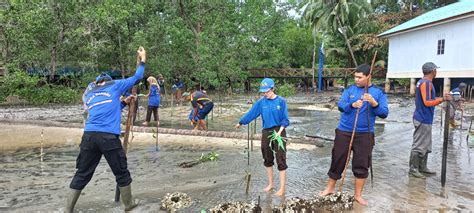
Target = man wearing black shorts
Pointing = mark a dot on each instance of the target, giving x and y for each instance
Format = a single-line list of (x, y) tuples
[(355, 100)]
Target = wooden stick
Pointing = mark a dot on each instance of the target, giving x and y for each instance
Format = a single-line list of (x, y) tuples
[(128, 127), (157, 128), (349, 151)]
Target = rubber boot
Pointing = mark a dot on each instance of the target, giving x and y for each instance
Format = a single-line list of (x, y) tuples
[(127, 199), (424, 167), (415, 165), (72, 197)]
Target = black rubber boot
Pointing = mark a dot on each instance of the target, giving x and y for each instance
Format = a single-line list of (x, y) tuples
[(424, 167), (72, 197), (127, 199), (415, 165)]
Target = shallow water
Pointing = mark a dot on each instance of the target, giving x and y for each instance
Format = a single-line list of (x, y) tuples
[(27, 184)]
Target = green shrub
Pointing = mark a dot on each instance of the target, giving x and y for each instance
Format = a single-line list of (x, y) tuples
[(34, 90), (286, 90)]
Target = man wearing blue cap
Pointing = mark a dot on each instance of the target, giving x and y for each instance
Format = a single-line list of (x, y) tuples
[(274, 112), (101, 135)]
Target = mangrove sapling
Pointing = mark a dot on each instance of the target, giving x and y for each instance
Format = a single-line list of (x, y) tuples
[(155, 135), (41, 150), (248, 175), (211, 156), (274, 138)]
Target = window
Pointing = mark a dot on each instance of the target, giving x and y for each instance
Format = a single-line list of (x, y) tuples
[(440, 47)]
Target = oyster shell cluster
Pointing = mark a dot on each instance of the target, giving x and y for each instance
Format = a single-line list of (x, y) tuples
[(175, 200)]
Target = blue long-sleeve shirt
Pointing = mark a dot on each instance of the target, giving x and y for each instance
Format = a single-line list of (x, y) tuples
[(348, 113), (103, 103), (154, 98), (274, 112)]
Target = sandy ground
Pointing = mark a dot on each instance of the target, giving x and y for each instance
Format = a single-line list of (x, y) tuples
[(24, 136), (29, 183)]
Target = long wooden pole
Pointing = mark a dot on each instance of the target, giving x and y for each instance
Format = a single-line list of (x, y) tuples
[(370, 139), (128, 127), (445, 144)]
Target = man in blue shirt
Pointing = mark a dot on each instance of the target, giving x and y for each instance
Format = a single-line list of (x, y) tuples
[(202, 106), (425, 102), (101, 135), (274, 112), (177, 89), (355, 102)]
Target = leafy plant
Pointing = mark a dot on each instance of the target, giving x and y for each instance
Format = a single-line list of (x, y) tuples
[(286, 90), (212, 156)]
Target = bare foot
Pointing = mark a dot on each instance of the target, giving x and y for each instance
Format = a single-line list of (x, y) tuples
[(326, 192), (280, 192), (268, 188), (361, 201)]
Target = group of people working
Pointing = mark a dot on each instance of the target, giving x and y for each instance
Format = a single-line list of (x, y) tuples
[(359, 105)]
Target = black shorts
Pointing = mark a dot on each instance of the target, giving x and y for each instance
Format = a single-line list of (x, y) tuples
[(278, 153), (361, 154)]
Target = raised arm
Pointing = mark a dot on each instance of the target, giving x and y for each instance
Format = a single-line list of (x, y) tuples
[(127, 83)]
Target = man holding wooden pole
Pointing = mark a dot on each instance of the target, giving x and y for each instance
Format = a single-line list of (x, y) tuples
[(356, 135), (101, 136)]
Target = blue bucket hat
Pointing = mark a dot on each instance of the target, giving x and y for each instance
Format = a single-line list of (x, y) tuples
[(103, 77), (267, 84)]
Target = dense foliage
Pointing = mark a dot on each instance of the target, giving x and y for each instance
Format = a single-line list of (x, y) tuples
[(211, 42)]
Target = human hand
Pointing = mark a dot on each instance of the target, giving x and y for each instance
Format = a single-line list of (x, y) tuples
[(237, 126), (141, 54), (129, 98), (368, 97), (447, 97), (357, 104), (278, 134)]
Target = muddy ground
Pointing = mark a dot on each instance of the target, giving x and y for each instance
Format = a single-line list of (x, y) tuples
[(31, 183)]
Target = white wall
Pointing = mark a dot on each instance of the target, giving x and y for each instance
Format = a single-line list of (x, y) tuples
[(409, 51)]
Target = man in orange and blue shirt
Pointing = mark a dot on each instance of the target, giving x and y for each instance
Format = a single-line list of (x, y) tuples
[(425, 102)]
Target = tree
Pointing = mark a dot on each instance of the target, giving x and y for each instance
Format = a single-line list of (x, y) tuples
[(335, 16)]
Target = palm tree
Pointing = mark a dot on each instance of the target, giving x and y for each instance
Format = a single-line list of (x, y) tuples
[(335, 15)]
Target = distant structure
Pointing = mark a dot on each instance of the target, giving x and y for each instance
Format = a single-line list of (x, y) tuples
[(444, 36)]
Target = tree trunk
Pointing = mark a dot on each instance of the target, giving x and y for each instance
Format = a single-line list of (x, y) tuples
[(53, 63), (122, 66), (312, 63), (343, 31), (59, 40), (4, 54)]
